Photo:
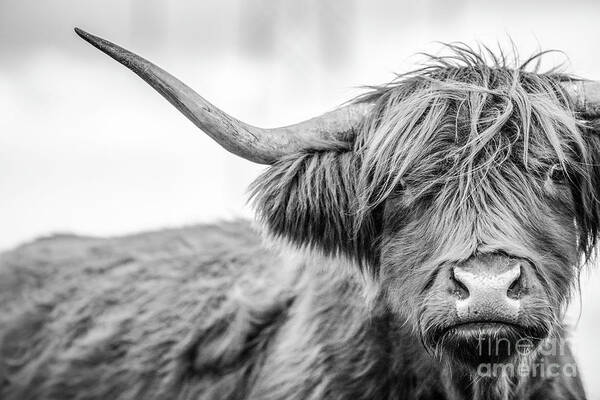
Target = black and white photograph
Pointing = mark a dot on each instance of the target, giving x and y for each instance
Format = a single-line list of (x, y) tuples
[(299, 200)]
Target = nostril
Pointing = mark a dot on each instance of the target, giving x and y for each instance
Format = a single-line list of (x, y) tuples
[(459, 289), (515, 290)]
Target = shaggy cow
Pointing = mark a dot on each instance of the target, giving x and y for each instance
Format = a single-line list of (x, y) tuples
[(430, 234)]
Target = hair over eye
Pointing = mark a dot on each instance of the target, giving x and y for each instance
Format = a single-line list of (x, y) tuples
[(557, 173)]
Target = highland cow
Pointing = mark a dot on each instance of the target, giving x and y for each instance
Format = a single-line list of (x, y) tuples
[(425, 239)]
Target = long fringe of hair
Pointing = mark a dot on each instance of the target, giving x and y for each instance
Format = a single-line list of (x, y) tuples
[(460, 115)]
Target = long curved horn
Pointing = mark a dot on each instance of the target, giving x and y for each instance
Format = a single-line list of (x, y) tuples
[(585, 96), (263, 146)]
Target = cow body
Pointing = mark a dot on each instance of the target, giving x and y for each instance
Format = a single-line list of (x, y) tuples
[(205, 312)]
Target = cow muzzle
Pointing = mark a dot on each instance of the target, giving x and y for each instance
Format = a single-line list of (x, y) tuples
[(488, 295), (489, 289)]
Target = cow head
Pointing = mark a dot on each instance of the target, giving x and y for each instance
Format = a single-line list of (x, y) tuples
[(466, 191)]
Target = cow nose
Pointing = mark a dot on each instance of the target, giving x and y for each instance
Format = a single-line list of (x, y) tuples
[(488, 294)]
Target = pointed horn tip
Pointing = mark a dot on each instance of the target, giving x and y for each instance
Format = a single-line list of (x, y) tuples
[(92, 39), (88, 37), (116, 52), (81, 33)]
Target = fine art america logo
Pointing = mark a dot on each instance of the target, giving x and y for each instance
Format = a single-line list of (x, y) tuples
[(543, 362)]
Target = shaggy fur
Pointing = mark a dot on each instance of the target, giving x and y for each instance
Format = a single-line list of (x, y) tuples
[(464, 157), (461, 158)]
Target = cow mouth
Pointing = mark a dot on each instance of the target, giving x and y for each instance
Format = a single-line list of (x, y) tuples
[(488, 342)]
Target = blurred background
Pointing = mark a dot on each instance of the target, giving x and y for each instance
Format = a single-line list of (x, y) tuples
[(86, 147)]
